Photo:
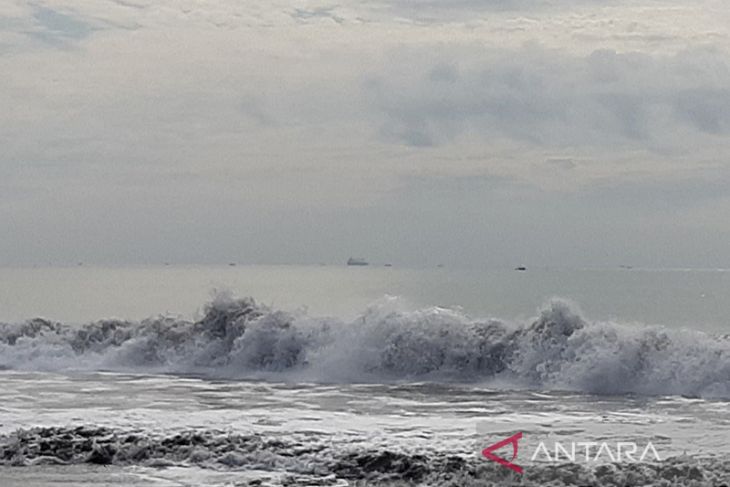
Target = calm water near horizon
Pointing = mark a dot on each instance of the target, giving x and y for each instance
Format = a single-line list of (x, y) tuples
[(697, 299)]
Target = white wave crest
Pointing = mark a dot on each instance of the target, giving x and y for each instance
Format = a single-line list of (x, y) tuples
[(239, 338)]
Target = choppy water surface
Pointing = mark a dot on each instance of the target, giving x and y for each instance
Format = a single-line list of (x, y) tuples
[(168, 430)]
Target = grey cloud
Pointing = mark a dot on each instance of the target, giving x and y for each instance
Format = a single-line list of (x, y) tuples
[(128, 4), (445, 73), (553, 99), (317, 13), (57, 27), (705, 108), (448, 10), (236, 133), (696, 189), (561, 163), (45, 27), (253, 108)]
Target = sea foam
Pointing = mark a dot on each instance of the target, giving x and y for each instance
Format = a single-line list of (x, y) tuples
[(316, 461), (238, 338)]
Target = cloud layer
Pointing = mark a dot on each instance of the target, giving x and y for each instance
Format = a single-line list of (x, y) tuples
[(128, 125)]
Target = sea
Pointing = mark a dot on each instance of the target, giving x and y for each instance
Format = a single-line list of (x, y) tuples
[(329, 375)]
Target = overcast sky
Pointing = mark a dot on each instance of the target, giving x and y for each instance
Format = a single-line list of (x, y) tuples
[(463, 132)]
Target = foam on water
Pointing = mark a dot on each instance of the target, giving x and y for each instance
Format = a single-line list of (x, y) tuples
[(313, 462), (239, 338)]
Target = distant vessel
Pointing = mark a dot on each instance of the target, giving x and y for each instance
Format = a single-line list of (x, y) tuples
[(521, 268), (356, 261)]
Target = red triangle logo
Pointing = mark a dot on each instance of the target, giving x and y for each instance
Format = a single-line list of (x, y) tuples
[(512, 440)]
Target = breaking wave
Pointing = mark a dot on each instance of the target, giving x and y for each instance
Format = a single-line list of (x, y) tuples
[(315, 461), (240, 338)]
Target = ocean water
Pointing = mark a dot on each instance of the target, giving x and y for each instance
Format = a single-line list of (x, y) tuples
[(329, 375)]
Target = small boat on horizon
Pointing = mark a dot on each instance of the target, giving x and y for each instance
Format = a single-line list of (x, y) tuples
[(356, 261), (521, 268)]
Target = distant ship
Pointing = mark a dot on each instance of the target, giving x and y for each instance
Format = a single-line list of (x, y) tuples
[(521, 268), (356, 261)]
